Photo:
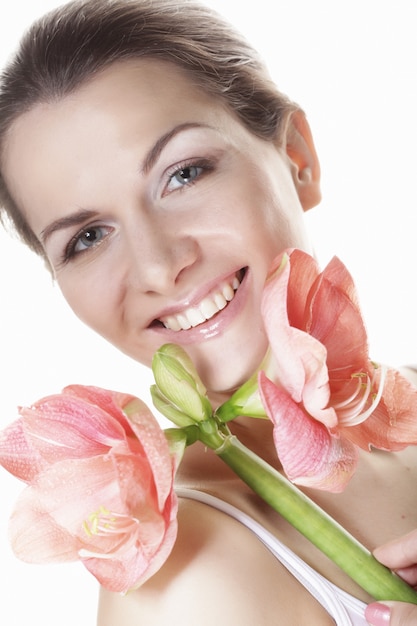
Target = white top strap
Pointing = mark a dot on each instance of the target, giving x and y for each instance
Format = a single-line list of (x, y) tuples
[(344, 608)]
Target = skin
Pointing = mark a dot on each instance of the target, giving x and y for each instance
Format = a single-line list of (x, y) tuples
[(151, 242), (165, 244)]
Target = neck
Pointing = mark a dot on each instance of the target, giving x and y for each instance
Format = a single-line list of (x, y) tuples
[(201, 467), (256, 434)]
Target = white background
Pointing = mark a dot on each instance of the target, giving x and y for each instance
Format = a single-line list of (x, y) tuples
[(352, 66)]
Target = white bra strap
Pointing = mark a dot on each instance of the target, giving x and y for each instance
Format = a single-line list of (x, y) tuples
[(325, 592)]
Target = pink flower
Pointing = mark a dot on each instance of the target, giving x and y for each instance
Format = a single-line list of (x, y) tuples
[(100, 486), (327, 397)]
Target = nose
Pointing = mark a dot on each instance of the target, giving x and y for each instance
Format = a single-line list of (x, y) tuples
[(160, 257)]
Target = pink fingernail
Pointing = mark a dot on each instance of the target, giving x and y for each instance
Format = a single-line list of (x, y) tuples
[(377, 614)]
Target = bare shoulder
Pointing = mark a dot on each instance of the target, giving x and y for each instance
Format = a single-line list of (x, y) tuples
[(218, 572)]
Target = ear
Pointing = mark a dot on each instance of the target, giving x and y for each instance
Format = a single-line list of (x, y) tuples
[(304, 162)]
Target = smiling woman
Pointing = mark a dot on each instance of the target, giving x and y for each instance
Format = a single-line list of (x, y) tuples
[(169, 244), (185, 162)]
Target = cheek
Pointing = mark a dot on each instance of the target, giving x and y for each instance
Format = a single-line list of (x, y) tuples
[(264, 211), (283, 223), (94, 302)]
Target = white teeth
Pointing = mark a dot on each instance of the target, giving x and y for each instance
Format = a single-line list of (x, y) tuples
[(172, 323), (228, 292), (220, 301), (183, 322), (195, 317), (206, 309)]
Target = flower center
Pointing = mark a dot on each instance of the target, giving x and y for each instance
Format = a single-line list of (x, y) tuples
[(104, 523), (363, 400)]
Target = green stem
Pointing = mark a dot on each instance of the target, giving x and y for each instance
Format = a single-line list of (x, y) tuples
[(323, 531)]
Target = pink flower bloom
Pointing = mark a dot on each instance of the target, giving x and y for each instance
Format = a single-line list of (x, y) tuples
[(100, 485), (327, 397)]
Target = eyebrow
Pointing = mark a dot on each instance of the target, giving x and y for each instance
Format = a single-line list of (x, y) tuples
[(149, 161), (74, 219), (154, 153)]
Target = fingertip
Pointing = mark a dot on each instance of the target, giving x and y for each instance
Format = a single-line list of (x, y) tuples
[(378, 614)]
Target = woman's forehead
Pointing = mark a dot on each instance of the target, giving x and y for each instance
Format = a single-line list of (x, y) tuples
[(124, 111), (140, 87)]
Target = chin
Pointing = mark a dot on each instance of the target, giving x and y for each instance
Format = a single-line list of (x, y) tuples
[(228, 371)]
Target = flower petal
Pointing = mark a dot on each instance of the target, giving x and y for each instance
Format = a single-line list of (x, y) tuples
[(336, 321), (155, 446), (67, 427), (303, 274), (139, 562), (137, 420), (123, 575), (70, 491), (299, 363), (282, 337), (16, 455), (112, 402), (309, 453), (35, 536)]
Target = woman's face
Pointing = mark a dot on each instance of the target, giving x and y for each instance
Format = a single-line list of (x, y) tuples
[(159, 212)]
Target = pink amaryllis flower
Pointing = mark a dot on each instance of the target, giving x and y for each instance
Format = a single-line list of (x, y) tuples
[(326, 396), (100, 485)]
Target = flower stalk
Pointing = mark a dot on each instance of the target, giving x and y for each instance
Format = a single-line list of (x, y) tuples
[(314, 523), (275, 489)]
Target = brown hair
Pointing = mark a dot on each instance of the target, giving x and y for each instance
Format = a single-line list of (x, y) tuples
[(71, 44)]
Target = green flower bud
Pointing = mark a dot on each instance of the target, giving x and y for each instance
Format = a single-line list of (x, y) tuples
[(178, 383), (247, 400), (168, 410)]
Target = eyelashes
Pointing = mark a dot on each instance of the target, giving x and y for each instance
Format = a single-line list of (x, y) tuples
[(85, 239), (187, 173)]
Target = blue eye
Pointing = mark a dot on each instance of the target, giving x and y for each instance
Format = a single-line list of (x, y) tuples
[(84, 240), (89, 237), (184, 176), (187, 173)]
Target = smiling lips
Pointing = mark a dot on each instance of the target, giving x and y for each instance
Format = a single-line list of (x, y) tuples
[(206, 309)]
